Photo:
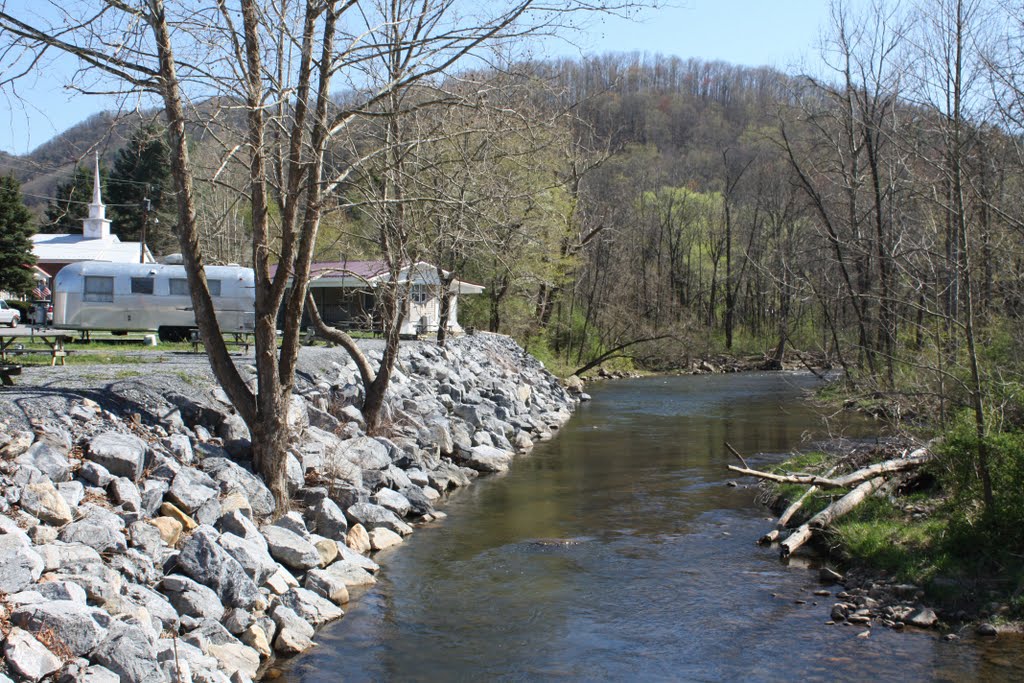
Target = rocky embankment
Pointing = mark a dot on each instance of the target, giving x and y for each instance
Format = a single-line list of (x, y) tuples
[(137, 545)]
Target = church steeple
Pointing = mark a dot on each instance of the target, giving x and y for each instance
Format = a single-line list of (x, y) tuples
[(96, 226)]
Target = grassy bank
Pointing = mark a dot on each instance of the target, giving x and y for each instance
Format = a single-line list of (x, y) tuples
[(930, 529)]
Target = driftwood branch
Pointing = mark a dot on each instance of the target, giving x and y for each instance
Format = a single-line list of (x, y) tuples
[(737, 454), (915, 459)]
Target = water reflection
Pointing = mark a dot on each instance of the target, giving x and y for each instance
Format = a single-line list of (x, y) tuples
[(665, 583)]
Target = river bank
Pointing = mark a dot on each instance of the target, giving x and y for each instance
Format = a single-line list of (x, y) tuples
[(899, 555), (135, 540)]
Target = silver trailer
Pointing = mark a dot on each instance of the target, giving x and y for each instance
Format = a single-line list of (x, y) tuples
[(145, 297)]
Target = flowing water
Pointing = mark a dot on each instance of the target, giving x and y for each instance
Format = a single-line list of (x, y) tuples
[(618, 552)]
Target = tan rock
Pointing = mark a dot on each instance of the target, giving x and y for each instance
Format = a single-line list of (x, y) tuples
[(169, 528), (256, 638), (174, 512), (43, 501), (328, 550), (382, 539), (357, 539)]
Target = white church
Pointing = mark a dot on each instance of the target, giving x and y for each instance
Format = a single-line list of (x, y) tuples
[(95, 242)]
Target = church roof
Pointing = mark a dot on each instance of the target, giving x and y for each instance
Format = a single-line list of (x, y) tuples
[(69, 248)]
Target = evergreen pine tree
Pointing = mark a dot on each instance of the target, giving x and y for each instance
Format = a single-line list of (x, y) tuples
[(142, 171), (15, 239)]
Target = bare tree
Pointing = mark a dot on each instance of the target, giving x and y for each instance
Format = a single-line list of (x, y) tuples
[(267, 69)]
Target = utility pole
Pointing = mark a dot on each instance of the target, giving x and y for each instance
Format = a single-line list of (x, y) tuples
[(142, 236)]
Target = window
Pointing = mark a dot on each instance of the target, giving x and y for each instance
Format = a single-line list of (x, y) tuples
[(419, 294), (214, 287), (178, 286), (142, 285), (3, 305), (98, 288)]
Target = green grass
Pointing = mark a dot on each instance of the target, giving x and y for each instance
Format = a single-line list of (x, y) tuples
[(882, 536)]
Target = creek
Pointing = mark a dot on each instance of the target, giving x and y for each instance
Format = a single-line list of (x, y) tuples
[(618, 551)]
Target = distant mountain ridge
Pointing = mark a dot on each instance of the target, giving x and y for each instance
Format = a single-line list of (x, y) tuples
[(54, 161)]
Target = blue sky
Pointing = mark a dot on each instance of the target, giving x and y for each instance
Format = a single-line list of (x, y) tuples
[(779, 33)]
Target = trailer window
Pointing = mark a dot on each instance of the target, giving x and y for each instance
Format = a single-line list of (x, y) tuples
[(214, 287), (142, 285), (178, 286), (98, 288)]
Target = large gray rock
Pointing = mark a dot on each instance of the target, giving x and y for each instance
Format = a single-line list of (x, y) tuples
[(349, 573), (158, 606), (290, 549), (45, 502), (328, 519), (211, 565), (237, 523), (233, 477), (237, 659), (251, 553), (372, 516), (66, 557), (293, 521), (99, 529), (48, 460), (294, 634), (366, 452), (310, 606), (352, 557), (27, 657), (77, 626), (327, 585), (295, 474), (419, 503), (125, 493), (190, 489), (128, 652), (95, 474), (298, 417), (153, 491), (392, 500), (191, 598), (147, 539), (486, 459), (20, 565), (61, 590), (72, 492), (124, 455)]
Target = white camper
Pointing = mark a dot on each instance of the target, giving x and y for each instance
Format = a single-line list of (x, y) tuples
[(137, 297)]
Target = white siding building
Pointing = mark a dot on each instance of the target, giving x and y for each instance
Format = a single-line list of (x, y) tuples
[(95, 242)]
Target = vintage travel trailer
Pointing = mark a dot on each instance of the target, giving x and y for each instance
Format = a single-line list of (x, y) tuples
[(137, 297)]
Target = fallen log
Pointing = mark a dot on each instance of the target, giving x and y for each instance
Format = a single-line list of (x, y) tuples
[(780, 525), (831, 513), (797, 504), (915, 459)]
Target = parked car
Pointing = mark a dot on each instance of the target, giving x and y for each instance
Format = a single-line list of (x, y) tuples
[(9, 316)]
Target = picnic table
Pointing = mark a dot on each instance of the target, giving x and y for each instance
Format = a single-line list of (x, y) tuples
[(54, 339), (241, 340)]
